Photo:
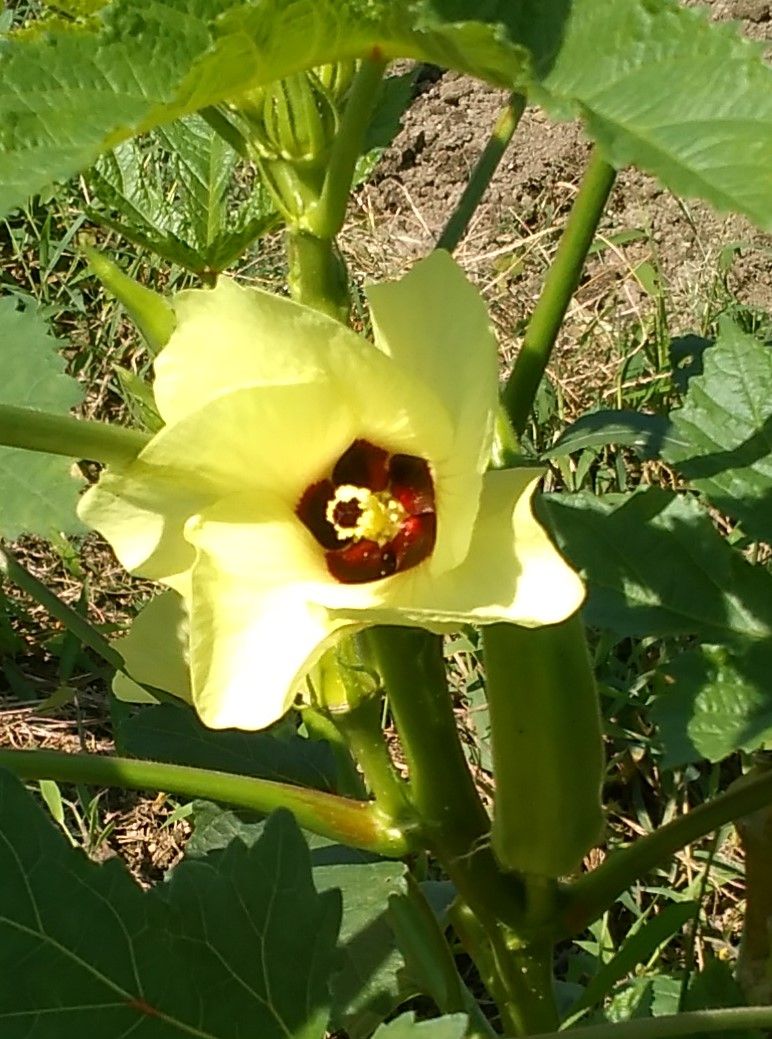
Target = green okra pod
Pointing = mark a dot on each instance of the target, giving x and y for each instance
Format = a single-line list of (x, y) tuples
[(547, 746)]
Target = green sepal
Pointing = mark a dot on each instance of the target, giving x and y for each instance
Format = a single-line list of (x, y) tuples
[(547, 746), (149, 311)]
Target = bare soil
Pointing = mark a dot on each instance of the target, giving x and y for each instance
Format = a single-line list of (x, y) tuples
[(515, 230)]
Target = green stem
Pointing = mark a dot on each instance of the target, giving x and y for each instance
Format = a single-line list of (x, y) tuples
[(361, 728), (347, 779), (326, 218), (317, 274), (586, 898), (559, 286), (64, 435), (358, 824), (519, 980), (482, 174), (453, 823), (732, 1019)]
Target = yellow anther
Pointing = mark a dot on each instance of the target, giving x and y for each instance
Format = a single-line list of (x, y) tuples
[(376, 516)]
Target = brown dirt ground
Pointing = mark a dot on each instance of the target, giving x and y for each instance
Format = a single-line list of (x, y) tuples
[(401, 212)]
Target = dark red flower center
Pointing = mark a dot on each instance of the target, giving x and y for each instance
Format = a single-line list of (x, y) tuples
[(374, 515)]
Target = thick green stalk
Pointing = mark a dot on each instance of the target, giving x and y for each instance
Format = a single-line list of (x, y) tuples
[(453, 824), (559, 286), (64, 435), (695, 1022), (326, 218), (356, 823), (519, 980), (586, 898), (482, 174), (317, 274)]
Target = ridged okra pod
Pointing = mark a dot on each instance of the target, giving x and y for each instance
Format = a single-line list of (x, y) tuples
[(548, 758)]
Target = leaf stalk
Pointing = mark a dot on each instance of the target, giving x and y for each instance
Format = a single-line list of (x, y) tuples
[(559, 286), (359, 824)]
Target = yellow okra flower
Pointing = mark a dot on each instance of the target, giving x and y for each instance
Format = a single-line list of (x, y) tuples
[(308, 482)]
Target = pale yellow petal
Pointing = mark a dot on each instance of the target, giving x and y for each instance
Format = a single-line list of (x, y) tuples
[(141, 512), (155, 651), (512, 573), (434, 323), (251, 647), (282, 438), (233, 337)]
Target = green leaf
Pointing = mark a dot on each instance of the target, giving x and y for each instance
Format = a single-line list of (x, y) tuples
[(38, 492), (239, 948), (646, 433), (175, 735), (723, 433), (67, 96), (665, 89), (660, 87), (637, 948), (405, 1027), (368, 983), (171, 193), (655, 565), (713, 702)]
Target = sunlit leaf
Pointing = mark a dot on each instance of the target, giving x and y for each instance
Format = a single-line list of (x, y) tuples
[(656, 84), (656, 565), (722, 440), (713, 702)]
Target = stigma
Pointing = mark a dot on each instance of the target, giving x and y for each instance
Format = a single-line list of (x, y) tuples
[(374, 514), (358, 512)]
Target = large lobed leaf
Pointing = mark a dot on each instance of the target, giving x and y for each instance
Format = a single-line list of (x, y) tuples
[(234, 949), (722, 436), (171, 193), (38, 492), (369, 972), (656, 84)]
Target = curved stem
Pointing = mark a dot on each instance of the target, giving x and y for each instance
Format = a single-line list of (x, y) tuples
[(692, 1023), (586, 898), (559, 286), (482, 174), (64, 435), (358, 824)]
